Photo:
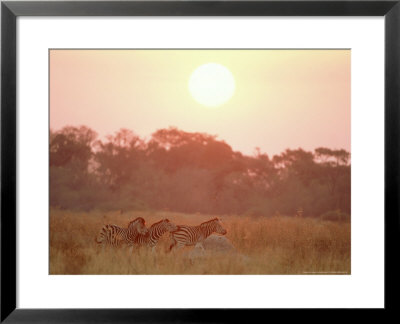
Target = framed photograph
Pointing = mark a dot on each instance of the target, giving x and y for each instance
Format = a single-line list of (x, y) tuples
[(190, 161)]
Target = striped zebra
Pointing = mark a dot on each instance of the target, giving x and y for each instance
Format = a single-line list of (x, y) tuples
[(155, 232), (116, 236), (195, 235)]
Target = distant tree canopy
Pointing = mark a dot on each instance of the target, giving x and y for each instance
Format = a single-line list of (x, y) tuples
[(193, 172)]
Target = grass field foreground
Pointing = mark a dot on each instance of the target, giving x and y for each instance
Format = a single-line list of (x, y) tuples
[(273, 245)]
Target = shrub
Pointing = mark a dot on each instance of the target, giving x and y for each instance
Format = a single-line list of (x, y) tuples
[(336, 216)]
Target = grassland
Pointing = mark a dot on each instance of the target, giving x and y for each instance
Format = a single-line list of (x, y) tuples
[(276, 245)]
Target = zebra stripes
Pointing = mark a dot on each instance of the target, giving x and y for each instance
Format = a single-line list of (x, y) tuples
[(116, 236), (155, 232), (138, 234), (193, 235)]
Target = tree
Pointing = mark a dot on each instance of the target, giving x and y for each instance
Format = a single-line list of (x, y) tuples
[(333, 164), (297, 163), (173, 149), (192, 172), (335, 172), (72, 185), (118, 158), (71, 144)]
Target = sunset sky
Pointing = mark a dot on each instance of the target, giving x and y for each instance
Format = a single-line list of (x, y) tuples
[(282, 98)]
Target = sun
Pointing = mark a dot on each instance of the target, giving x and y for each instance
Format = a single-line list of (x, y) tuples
[(211, 84)]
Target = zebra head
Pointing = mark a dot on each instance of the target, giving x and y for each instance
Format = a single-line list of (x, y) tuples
[(218, 227), (139, 225), (170, 227)]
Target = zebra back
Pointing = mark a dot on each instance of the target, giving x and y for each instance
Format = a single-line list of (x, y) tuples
[(190, 235), (155, 232), (112, 235), (115, 236)]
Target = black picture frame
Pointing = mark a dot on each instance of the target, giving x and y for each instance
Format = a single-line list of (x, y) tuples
[(10, 10)]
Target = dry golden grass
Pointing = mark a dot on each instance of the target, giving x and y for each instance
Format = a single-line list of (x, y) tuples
[(278, 245)]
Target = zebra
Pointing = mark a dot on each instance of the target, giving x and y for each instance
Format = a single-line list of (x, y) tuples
[(195, 235), (155, 232), (116, 236)]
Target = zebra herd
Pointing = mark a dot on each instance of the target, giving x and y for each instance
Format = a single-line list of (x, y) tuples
[(136, 234)]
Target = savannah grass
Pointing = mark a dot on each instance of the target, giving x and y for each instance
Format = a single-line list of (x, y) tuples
[(273, 245)]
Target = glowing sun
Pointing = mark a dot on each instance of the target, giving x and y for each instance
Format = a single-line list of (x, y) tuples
[(211, 84)]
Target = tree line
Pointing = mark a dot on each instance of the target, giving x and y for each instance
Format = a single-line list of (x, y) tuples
[(193, 172)]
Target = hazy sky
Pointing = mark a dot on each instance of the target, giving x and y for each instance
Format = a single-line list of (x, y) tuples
[(283, 98)]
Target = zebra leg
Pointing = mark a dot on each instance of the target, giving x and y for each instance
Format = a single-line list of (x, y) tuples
[(105, 247), (179, 246), (153, 256), (172, 244), (199, 245)]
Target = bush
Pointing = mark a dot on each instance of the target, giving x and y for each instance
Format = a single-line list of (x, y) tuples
[(336, 216)]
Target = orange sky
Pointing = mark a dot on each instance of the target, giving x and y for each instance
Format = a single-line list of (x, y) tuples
[(283, 98)]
